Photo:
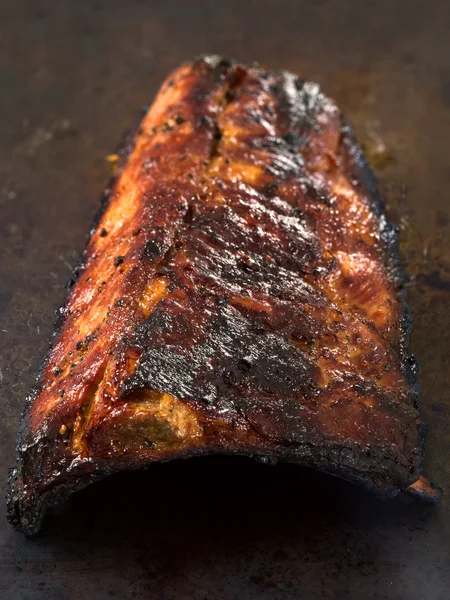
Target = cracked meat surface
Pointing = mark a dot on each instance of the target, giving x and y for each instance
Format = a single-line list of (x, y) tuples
[(240, 293)]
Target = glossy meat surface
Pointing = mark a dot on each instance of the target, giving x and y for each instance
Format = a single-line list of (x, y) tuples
[(240, 293)]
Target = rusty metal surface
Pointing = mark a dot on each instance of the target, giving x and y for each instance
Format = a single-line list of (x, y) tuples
[(74, 75)]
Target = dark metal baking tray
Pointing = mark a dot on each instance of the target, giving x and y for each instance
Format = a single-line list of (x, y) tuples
[(73, 77)]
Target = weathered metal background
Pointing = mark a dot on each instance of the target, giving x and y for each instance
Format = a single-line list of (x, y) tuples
[(73, 77)]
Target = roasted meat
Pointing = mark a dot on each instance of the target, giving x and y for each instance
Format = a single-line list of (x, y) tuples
[(240, 293)]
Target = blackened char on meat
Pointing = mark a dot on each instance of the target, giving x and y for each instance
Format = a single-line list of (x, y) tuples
[(240, 293)]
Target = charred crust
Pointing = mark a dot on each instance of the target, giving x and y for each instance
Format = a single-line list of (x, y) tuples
[(118, 260), (152, 250), (239, 354)]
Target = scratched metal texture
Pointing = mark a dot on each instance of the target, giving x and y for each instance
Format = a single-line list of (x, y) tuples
[(73, 78)]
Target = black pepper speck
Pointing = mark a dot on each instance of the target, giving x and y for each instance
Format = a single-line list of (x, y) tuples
[(118, 260)]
